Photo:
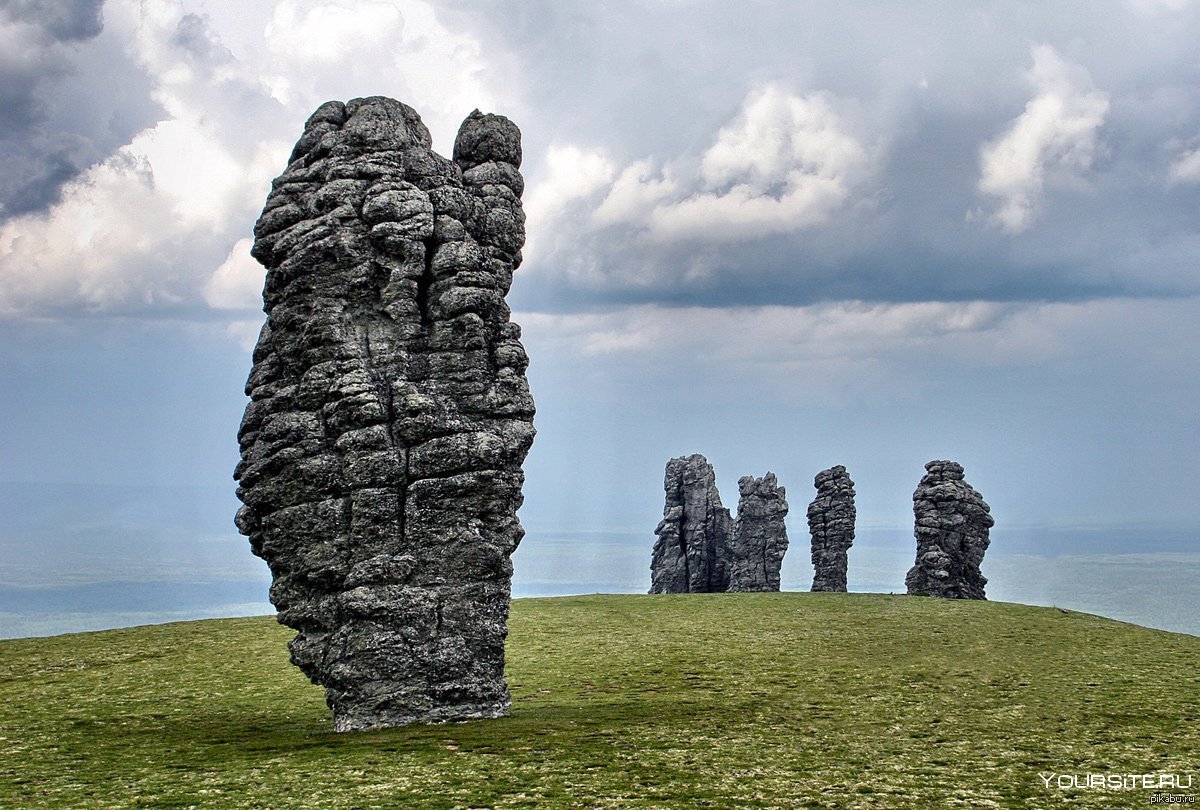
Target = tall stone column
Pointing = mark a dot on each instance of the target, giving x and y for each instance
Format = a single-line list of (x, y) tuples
[(390, 414), (691, 554), (831, 523), (759, 534), (952, 523)]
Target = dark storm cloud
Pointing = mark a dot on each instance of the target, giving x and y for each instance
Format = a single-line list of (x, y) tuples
[(195, 36), (68, 96), (20, 103), (46, 164), (63, 20)]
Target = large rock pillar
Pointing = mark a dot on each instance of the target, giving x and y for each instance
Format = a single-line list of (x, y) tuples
[(390, 414), (759, 534), (831, 523), (691, 554), (952, 523)]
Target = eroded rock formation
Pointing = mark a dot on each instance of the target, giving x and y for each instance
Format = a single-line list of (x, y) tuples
[(831, 524), (691, 554), (389, 413), (759, 535), (952, 523)]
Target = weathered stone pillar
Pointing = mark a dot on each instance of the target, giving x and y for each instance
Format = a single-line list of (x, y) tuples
[(831, 524), (952, 523), (759, 534), (691, 554), (390, 414)]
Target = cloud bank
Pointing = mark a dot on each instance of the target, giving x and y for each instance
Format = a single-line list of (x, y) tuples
[(784, 164), (1057, 132), (854, 155)]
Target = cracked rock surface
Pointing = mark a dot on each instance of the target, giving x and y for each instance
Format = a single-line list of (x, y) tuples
[(831, 523), (952, 523), (691, 554), (759, 535), (390, 414)]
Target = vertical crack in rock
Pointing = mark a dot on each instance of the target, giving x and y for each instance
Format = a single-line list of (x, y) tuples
[(691, 554), (952, 523), (760, 535), (718, 534), (831, 523), (390, 413), (681, 532)]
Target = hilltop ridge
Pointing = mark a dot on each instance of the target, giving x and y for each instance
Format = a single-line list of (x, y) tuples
[(753, 700)]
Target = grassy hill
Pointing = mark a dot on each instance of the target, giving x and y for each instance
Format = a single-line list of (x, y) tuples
[(730, 700)]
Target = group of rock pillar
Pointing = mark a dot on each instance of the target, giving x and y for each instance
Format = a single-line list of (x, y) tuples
[(701, 548)]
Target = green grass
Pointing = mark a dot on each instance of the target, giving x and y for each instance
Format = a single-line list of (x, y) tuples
[(731, 700)]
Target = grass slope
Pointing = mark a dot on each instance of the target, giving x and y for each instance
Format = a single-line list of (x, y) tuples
[(731, 700)]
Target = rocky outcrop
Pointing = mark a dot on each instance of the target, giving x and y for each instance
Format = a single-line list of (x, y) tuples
[(691, 554), (759, 535), (831, 524), (389, 414), (952, 523)]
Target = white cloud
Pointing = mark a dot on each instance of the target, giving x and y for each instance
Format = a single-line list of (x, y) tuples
[(78, 256), (778, 134), (192, 169), (569, 174), (639, 190), (975, 332), (768, 333), (324, 32), (238, 282), (129, 231), (1057, 132), (1185, 168), (149, 225), (323, 49), (245, 332), (785, 163), (135, 230)]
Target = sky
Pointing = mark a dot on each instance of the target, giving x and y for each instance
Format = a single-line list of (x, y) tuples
[(783, 235)]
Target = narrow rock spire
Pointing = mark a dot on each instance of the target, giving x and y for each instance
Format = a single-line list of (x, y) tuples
[(831, 524), (759, 535), (691, 554)]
